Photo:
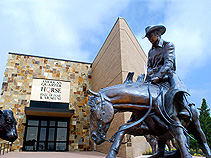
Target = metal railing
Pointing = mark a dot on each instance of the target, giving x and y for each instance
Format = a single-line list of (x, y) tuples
[(5, 147)]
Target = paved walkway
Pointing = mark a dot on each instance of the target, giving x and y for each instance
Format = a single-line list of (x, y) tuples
[(86, 154), (82, 154)]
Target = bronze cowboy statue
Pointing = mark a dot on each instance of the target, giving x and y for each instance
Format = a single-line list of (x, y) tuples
[(161, 69), (159, 105)]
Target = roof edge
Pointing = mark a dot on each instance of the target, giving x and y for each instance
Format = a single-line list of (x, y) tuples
[(107, 38), (134, 37), (48, 58)]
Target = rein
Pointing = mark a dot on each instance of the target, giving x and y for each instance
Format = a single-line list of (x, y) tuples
[(166, 117), (101, 119), (131, 125), (102, 114), (141, 119)]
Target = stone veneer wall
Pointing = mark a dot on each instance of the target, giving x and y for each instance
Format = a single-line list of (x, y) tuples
[(16, 93)]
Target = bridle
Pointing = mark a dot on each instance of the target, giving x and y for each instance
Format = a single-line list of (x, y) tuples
[(102, 113), (102, 104)]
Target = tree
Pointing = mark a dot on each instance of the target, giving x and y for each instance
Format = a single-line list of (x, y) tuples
[(205, 122)]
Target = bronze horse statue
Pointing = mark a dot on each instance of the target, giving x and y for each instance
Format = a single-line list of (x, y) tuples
[(8, 124), (149, 116)]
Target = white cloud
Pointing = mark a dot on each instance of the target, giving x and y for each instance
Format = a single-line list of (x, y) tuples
[(198, 94), (76, 29), (42, 25), (188, 25), (188, 28), (61, 29)]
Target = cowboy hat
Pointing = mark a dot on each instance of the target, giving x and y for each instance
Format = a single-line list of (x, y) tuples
[(152, 28)]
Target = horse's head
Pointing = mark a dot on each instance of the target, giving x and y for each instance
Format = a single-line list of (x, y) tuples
[(101, 115), (8, 124)]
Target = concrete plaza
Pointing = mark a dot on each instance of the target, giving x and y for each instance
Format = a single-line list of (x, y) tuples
[(87, 154)]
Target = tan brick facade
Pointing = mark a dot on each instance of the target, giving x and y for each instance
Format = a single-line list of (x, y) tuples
[(120, 54)]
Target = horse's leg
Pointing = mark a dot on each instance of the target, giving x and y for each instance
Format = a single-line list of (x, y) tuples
[(168, 145), (174, 154), (152, 122), (161, 149), (178, 134), (152, 142), (195, 129), (117, 143), (153, 145), (173, 143)]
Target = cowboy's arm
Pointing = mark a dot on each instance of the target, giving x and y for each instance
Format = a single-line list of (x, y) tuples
[(149, 65), (169, 61)]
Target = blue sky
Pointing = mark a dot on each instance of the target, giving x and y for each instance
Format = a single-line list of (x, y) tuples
[(76, 30)]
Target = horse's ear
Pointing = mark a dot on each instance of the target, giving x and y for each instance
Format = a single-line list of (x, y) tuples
[(129, 78), (89, 91), (91, 102)]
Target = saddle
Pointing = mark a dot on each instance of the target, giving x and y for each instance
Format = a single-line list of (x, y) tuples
[(172, 99)]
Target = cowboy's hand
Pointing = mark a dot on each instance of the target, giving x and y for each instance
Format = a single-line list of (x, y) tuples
[(155, 79)]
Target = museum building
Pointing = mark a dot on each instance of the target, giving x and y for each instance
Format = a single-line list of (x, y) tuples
[(48, 96)]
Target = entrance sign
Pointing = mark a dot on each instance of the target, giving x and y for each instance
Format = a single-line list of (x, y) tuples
[(50, 90)]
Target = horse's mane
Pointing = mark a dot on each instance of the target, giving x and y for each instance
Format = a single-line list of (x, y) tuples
[(128, 80)]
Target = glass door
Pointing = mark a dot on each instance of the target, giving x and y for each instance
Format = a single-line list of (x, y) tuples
[(61, 135), (46, 134), (42, 136), (51, 135), (31, 135)]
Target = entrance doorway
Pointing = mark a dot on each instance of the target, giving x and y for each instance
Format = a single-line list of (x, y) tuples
[(46, 134)]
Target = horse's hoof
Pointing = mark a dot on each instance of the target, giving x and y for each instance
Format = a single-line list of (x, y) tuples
[(157, 155), (173, 154), (111, 154), (188, 156)]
